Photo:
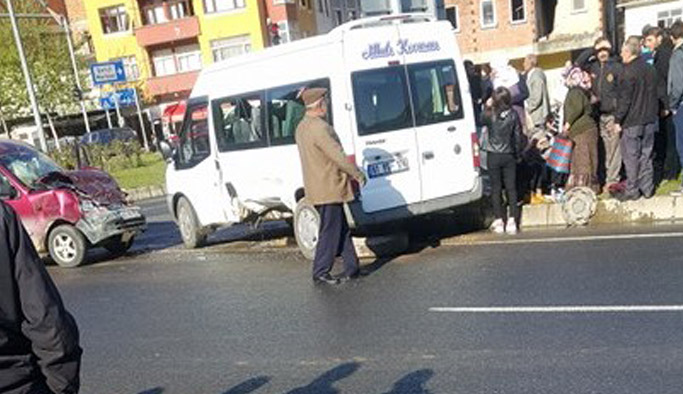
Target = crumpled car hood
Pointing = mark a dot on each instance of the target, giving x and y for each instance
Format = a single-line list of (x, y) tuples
[(94, 184)]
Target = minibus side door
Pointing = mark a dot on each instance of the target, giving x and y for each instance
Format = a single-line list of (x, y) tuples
[(197, 173)]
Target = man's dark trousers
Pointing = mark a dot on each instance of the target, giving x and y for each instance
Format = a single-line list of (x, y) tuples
[(334, 240), (637, 145), (678, 124), (671, 163)]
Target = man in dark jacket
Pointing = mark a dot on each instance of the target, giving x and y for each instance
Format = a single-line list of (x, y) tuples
[(675, 87), (666, 157), (606, 73), (39, 351), (636, 119)]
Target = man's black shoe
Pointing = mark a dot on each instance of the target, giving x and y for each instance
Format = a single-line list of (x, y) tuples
[(327, 279), (623, 197), (348, 278)]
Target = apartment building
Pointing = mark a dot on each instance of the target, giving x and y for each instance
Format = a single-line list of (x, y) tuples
[(555, 30), (637, 13)]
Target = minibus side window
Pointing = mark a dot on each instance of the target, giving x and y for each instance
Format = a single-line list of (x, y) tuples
[(239, 122), (436, 93), (194, 136), (285, 110), (381, 100)]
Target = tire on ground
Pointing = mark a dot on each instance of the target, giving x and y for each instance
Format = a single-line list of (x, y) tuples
[(67, 246), (306, 225), (191, 232)]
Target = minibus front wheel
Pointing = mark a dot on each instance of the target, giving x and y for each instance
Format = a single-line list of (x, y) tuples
[(306, 226), (190, 230)]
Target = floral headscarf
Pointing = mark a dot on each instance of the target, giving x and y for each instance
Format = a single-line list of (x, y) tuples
[(575, 78)]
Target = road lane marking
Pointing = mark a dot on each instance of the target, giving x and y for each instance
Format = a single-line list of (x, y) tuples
[(562, 309), (587, 238)]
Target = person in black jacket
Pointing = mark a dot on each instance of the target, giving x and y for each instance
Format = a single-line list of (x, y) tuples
[(39, 350), (666, 157), (637, 117), (606, 73), (503, 147)]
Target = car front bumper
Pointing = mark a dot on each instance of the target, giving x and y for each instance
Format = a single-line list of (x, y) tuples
[(104, 223)]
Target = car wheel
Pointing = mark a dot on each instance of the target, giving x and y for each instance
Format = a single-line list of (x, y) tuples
[(67, 246), (117, 246), (306, 228), (193, 235)]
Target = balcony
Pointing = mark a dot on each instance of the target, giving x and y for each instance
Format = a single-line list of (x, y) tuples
[(175, 30), (170, 84)]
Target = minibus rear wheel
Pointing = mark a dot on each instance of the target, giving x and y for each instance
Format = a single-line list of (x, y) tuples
[(192, 234), (306, 225)]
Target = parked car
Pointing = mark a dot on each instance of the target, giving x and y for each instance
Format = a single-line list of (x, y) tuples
[(63, 141), (107, 136), (66, 212)]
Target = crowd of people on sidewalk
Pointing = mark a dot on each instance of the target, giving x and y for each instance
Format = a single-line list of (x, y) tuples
[(614, 126)]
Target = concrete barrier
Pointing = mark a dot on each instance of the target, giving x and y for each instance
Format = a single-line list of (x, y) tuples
[(656, 209)]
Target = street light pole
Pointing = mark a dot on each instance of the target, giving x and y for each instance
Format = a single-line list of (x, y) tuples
[(72, 55), (27, 77)]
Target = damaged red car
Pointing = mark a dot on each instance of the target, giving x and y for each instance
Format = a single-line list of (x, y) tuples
[(66, 212)]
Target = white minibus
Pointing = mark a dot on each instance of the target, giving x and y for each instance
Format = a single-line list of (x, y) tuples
[(400, 104)]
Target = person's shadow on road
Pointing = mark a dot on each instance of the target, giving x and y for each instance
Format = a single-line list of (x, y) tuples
[(413, 383), (324, 383), (249, 386)]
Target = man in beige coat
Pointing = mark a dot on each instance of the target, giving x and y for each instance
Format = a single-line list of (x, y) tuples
[(327, 175)]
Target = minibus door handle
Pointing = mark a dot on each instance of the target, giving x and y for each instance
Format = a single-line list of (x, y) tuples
[(451, 129), (428, 155)]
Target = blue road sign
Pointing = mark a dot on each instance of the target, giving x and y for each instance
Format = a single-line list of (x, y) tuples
[(108, 72), (125, 97)]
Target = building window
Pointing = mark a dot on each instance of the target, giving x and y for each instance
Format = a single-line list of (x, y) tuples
[(338, 17), (666, 19), (488, 14), (189, 58), (352, 15), (578, 5), (211, 6), (178, 60), (130, 65), (327, 8), (114, 19), (283, 29), (156, 13), (164, 62), (226, 48), (518, 11), (452, 16)]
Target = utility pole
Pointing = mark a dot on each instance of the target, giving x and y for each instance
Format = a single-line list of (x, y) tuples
[(67, 30), (27, 77)]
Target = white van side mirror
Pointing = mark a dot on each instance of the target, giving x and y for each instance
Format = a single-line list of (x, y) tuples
[(166, 150)]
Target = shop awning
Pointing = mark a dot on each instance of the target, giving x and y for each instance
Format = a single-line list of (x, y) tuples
[(175, 113)]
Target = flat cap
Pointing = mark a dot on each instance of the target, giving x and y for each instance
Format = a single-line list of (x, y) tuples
[(310, 96)]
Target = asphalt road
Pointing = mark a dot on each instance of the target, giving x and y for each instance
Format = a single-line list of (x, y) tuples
[(218, 320)]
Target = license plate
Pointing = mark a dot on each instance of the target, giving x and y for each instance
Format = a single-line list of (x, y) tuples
[(388, 167), (130, 214)]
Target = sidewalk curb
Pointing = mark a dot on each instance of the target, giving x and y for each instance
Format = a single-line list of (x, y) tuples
[(611, 211), (145, 193)]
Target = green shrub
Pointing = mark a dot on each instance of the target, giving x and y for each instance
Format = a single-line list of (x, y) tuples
[(118, 155)]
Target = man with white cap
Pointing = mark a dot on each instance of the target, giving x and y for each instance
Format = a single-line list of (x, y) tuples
[(327, 175)]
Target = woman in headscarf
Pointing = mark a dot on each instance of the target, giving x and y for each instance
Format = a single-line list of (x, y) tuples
[(580, 127)]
